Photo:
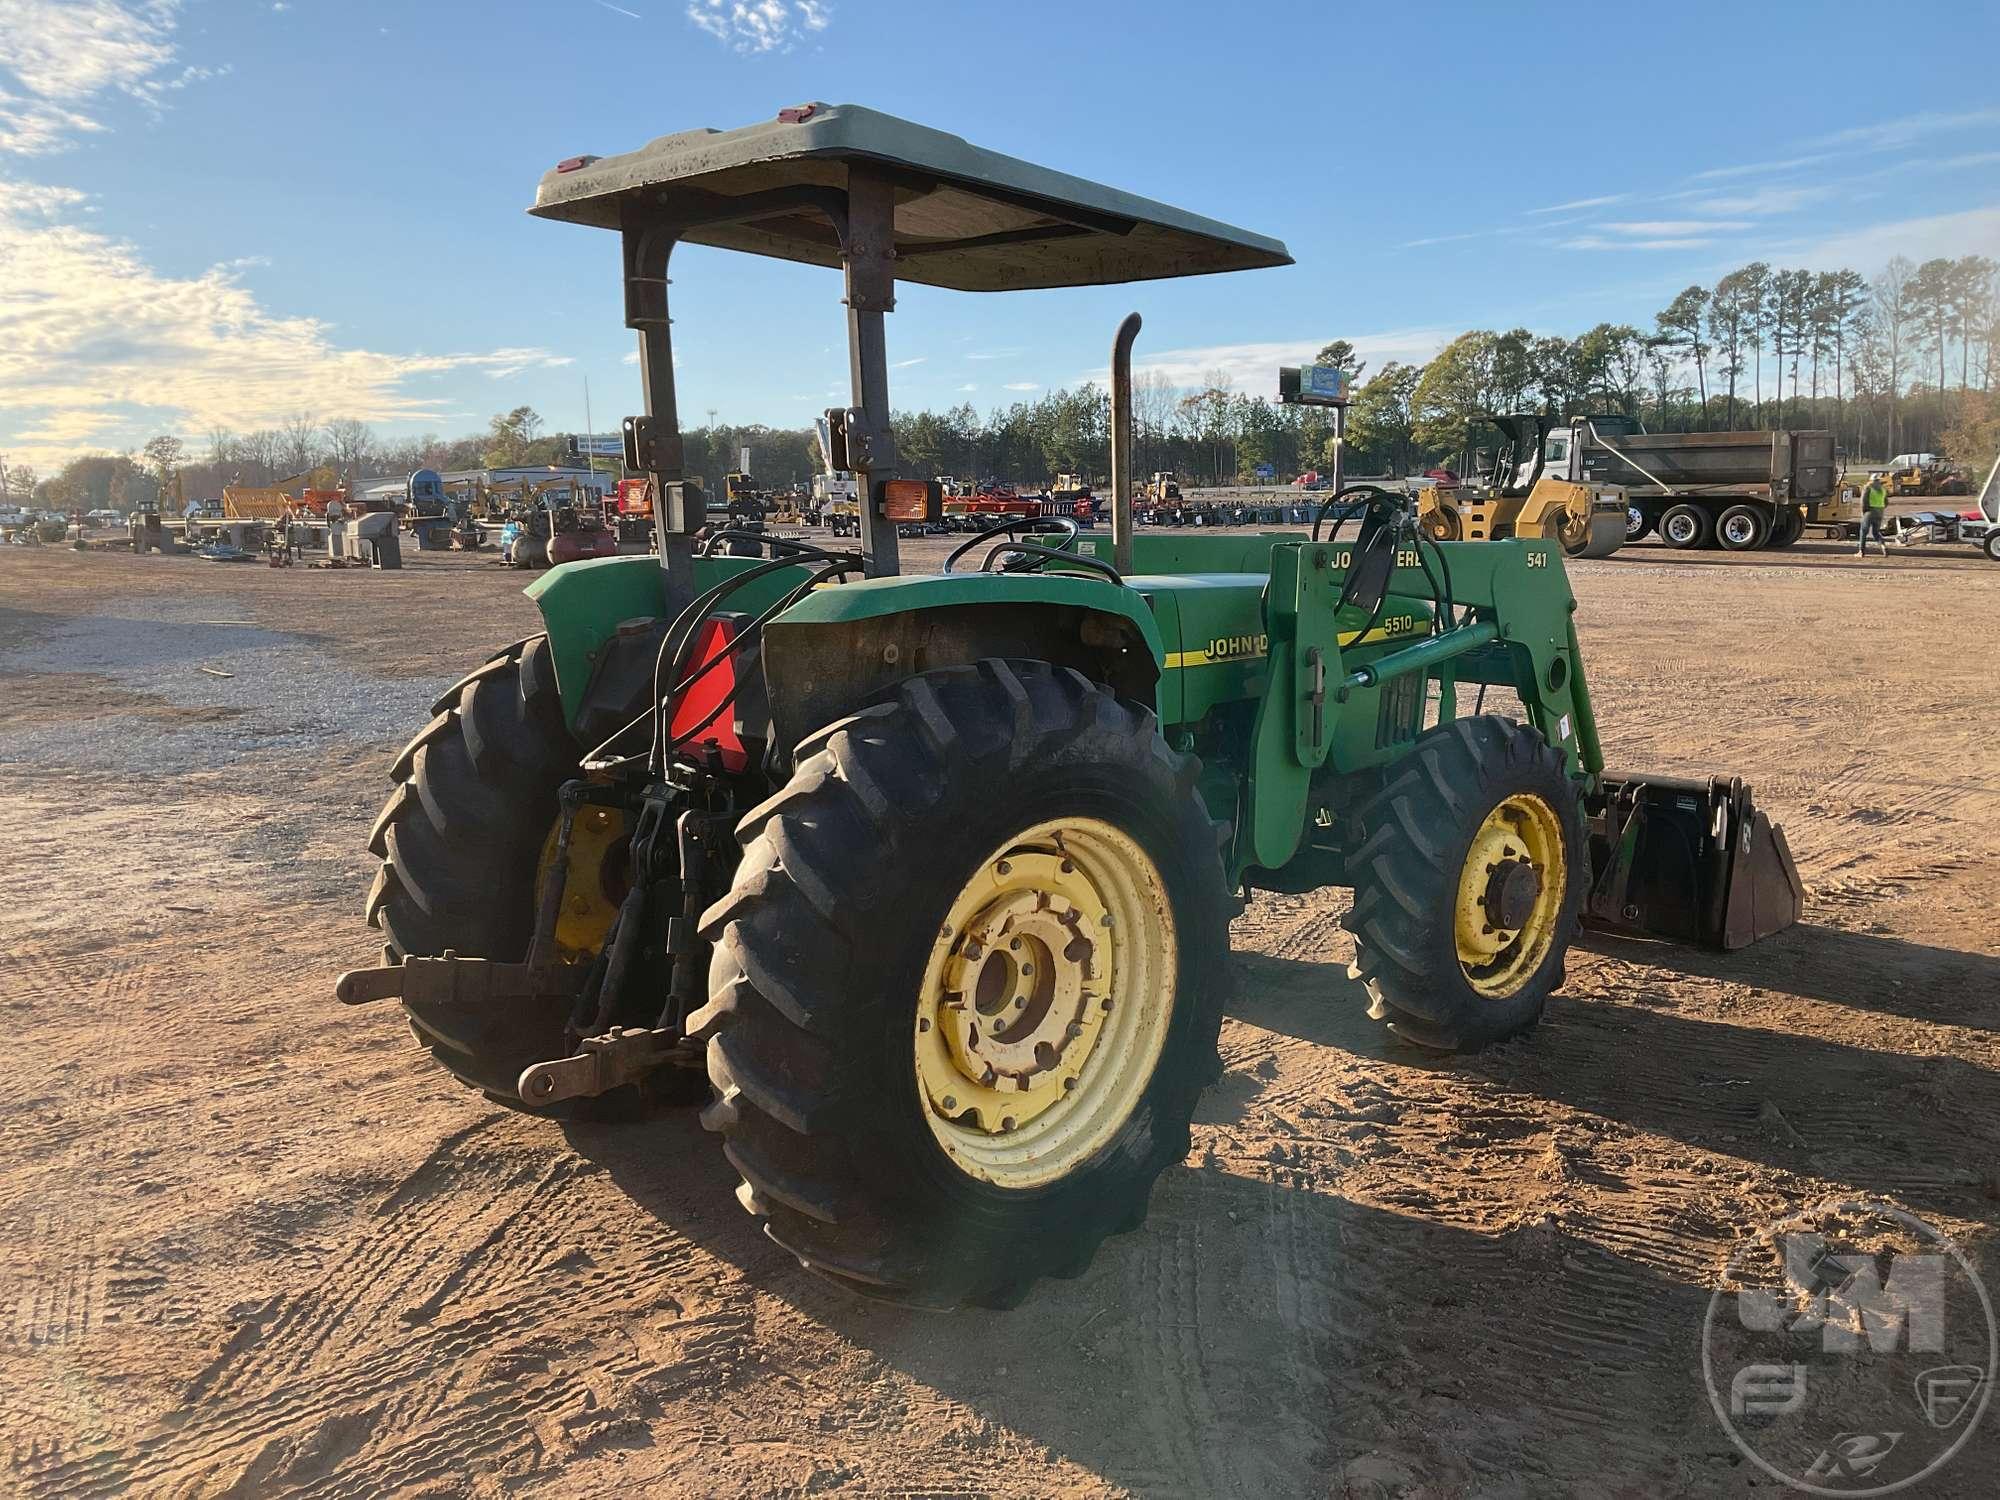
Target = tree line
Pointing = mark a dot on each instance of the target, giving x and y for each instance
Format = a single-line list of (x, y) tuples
[(1908, 361)]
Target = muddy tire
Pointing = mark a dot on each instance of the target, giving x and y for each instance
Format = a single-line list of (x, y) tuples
[(460, 839), (1423, 844), (825, 958)]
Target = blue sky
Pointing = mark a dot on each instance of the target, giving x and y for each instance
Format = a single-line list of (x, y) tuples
[(222, 212)]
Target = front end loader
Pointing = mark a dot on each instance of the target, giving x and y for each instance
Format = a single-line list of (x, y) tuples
[(924, 881)]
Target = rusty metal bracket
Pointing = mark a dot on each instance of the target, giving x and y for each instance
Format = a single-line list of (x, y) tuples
[(602, 1063), (451, 980)]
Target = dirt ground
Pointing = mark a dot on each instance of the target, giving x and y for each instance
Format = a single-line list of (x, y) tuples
[(251, 1244)]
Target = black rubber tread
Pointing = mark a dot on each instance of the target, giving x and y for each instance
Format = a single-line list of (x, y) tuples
[(1412, 835), (1791, 525), (460, 839), (820, 945), (1646, 526), (1760, 533), (1704, 535)]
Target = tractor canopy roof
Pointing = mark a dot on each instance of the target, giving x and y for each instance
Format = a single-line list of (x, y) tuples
[(966, 218)]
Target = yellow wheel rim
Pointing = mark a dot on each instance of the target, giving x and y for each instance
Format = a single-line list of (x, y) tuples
[(596, 883), (1045, 1003), (1510, 895)]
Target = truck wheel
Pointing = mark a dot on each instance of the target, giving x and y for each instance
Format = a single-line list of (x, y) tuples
[(1468, 879), (1638, 524), (1742, 528), (1685, 526), (967, 984), (1992, 544), (1789, 527), (461, 840)]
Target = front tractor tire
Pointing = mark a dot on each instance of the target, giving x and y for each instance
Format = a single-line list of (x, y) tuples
[(461, 839), (1468, 872), (967, 984)]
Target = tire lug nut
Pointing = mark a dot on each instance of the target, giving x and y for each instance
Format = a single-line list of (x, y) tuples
[(1068, 1084), (950, 1102), (1003, 868), (1007, 1123), (1075, 1028), (1107, 1003), (923, 1023)]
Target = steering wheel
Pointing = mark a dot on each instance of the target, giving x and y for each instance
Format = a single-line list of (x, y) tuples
[(1025, 556)]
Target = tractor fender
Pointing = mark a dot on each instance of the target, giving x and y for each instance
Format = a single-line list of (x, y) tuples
[(605, 619), (844, 645)]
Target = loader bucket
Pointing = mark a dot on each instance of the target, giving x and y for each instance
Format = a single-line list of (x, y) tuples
[(1694, 861)]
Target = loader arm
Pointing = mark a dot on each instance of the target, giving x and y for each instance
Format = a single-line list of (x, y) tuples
[(1348, 695)]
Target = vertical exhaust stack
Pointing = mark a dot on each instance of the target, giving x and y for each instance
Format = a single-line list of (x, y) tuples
[(1121, 443)]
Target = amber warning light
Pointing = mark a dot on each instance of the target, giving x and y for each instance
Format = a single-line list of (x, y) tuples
[(912, 499)]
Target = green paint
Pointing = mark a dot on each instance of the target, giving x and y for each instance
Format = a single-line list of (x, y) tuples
[(1244, 628)]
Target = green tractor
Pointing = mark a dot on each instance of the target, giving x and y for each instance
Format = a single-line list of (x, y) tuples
[(925, 880)]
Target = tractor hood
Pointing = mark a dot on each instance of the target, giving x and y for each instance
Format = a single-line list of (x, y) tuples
[(966, 218)]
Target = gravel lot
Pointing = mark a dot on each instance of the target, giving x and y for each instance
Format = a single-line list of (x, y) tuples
[(251, 1244)]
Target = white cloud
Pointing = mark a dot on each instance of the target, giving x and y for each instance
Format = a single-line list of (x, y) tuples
[(1973, 232), (58, 55), (505, 363), (1576, 203), (1670, 242), (1759, 168), (1659, 228), (1254, 367), (1759, 201), (1889, 135), (1020, 385), (753, 26), (998, 354), (904, 364), (103, 350), (964, 389)]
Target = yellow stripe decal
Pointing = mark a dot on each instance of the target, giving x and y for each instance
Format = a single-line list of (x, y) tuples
[(1207, 658)]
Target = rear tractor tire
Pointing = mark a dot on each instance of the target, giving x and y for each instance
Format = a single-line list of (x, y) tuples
[(1468, 882), (461, 839), (966, 986), (1686, 527)]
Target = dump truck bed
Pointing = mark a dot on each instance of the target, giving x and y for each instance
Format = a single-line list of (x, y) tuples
[(1797, 466)]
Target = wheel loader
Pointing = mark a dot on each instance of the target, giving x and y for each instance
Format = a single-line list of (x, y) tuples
[(924, 880)]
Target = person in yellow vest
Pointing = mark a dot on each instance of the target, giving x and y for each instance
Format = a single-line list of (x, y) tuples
[(1874, 506)]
